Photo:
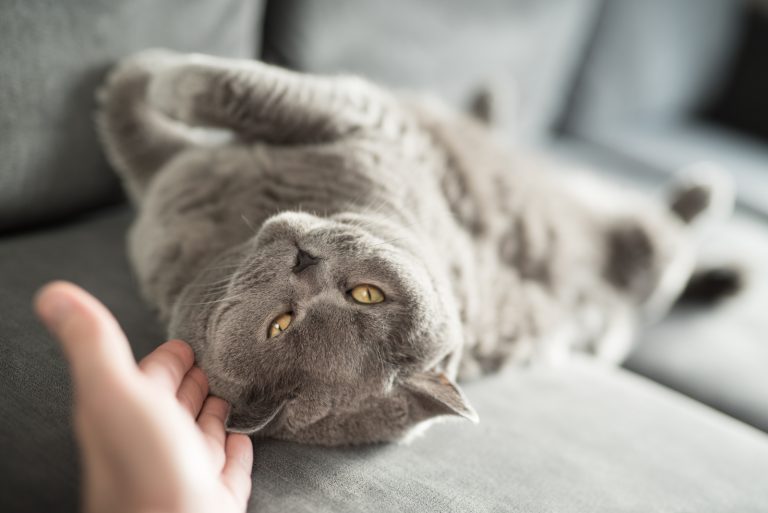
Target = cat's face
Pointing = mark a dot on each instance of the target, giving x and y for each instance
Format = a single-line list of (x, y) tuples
[(328, 331)]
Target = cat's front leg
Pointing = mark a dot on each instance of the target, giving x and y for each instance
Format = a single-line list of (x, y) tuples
[(263, 102), (137, 140)]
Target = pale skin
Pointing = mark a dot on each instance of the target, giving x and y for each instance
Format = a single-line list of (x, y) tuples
[(151, 438)]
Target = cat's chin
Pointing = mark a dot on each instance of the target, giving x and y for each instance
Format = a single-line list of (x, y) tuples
[(404, 438)]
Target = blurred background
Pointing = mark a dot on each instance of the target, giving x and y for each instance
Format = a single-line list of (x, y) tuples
[(634, 89)]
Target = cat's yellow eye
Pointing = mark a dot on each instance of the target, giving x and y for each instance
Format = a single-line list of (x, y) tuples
[(367, 294), (280, 324)]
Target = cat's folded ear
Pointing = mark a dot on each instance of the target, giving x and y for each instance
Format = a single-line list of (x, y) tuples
[(253, 415), (436, 394)]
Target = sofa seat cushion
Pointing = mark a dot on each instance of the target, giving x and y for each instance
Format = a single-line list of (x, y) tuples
[(38, 466), (579, 438)]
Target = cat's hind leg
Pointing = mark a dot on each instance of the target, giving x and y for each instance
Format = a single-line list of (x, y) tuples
[(654, 258), (703, 196), (138, 139)]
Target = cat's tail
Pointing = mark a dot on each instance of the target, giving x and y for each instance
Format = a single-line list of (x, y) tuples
[(708, 286), (138, 140)]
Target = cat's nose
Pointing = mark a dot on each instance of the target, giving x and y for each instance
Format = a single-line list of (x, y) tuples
[(304, 260)]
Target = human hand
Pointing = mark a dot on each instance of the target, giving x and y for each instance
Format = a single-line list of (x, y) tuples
[(150, 437)]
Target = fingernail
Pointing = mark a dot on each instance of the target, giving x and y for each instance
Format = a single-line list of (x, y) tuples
[(55, 309)]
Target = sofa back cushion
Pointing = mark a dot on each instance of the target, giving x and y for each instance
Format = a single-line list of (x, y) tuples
[(525, 51), (643, 68), (53, 56)]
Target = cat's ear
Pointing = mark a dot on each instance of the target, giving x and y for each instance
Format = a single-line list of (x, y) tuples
[(436, 394), (253, 415)]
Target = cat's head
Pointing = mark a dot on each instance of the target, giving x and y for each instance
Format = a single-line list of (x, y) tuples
[(327, 330)]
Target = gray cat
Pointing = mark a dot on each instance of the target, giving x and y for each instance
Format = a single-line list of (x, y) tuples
[(338, 256)]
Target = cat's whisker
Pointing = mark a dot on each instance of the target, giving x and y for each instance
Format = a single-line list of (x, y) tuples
[(222, 300), (220, 267), (389, 241), (218, 287), (209, 297), (248, 223), (213, 284)]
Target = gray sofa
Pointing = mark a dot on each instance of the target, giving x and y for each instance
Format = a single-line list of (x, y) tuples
[(681, 428)]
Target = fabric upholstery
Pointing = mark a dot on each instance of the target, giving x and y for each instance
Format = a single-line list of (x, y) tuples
[(666, 147), (525, 52), (580, 438), (53, 55)]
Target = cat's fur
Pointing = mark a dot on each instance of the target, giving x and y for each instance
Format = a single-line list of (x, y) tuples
[(485, 258)]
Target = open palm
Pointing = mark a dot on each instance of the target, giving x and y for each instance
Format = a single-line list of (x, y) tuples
[(151, 439)]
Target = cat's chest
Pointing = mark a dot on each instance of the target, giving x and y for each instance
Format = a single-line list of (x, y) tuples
[(233, 190)]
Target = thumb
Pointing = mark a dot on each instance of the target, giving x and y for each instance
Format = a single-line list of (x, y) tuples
[(93, 342)]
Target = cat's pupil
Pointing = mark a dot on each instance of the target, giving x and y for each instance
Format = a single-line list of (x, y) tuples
[(279, 324), (367, 294)]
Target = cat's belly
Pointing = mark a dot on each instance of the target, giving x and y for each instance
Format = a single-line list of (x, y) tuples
[(196, 208), (533, 323)]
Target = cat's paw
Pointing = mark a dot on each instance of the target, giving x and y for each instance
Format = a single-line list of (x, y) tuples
[(177, 88), (703, 194), (153, 60), (135, 73), (173, 92)]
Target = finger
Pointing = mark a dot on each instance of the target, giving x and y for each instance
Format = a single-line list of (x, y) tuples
[(93, 342), (168, 364), (211, 422), (193, 391), (236, 475)]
